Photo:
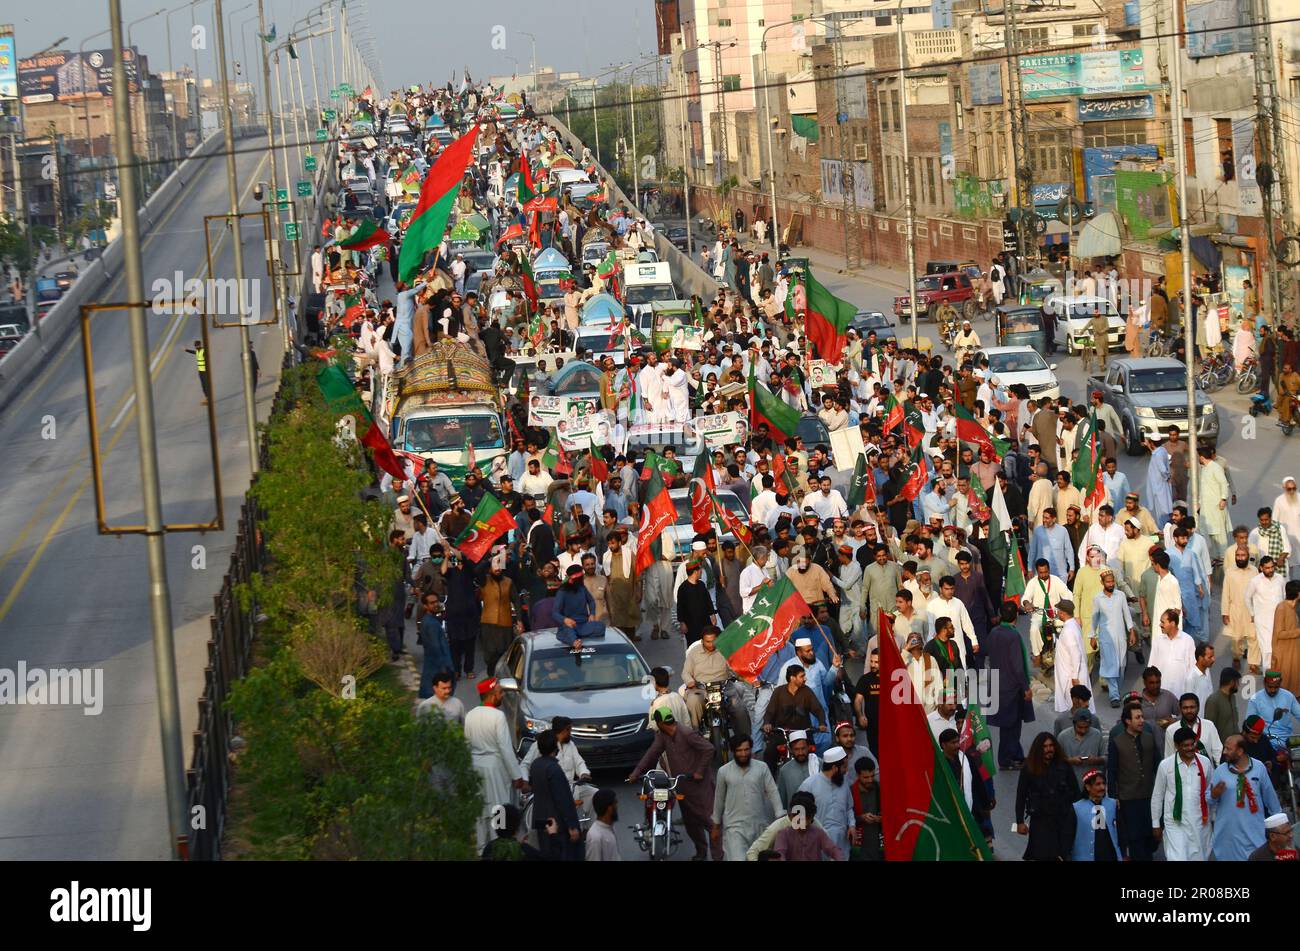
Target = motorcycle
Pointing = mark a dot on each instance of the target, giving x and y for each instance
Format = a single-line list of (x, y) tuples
[(1288, 428), (1248, 379), (1216, 372), (658, 837), (716, 723)]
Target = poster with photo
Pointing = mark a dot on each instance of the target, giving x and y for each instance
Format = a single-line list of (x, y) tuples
[(547, 411), (722, 429), (820, 374), (688, 338)]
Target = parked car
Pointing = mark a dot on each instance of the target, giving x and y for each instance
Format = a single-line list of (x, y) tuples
[(1011, 365), (676, 235), (1073, 316), (953, 287), (65, 279), (601, 688), (812, 431), (1149, 394)]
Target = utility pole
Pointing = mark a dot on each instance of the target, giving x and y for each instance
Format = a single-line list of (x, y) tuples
[(909, 204), (1185, 237), (849, 208), (1272, 167), (276, 263), (1023, 173), (686, 162), (232, 186), (160, 613), (722, 110)]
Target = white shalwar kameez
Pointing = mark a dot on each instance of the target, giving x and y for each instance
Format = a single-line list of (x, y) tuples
[(488, 736), (1186, 839)]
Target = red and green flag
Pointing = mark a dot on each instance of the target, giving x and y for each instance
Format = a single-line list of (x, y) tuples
[(1014, 586), (354, 305), (974, 735), (527, 187), (701, 508), (489, 522), (529, 282), (703, 470), (658, 514), (365, 236), (467, 458), (784, 474), (749, 642), (924, 813), (918, 473), (1085, 473), (790, 314), (343, 400), (893, 413), (765, 407), (862, 487), (438, 195), (913, 425), (697, 312), (970, 430), (827, 319), (730, 522)]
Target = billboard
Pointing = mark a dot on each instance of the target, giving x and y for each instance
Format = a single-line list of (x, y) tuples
[(1082, 74), (1143, 200), (1120, 107), (1210, 29), (985, 84), (864, 191), (1098, 162), (8, 67), (61, 76)]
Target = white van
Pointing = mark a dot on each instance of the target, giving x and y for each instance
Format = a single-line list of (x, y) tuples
[(567, 176), (646, 283)]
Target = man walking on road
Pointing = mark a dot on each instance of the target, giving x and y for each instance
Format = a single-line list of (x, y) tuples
[(745, 803)]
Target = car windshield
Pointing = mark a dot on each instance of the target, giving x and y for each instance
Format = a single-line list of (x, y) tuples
[(602, 342), (813, 432), (599, 666), (927, 284), (645, 293), (441, 433), (1090, 308), (579, 381), (1019, 362), (871, 321), (1157, 380)]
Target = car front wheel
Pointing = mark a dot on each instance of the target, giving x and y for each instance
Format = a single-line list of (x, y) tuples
[(1133, 440)]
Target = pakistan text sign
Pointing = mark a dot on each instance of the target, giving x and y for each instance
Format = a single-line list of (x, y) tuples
[(1082, 74)]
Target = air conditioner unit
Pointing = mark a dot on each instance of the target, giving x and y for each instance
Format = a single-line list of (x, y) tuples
[(860, 152)]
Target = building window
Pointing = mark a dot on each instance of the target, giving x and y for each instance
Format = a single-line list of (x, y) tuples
[(1099, 135), (1189, 148), (731, 82), (726, 23), (1227, 161), (929, 178), (896, 99), (1035, 37), (889, 178)]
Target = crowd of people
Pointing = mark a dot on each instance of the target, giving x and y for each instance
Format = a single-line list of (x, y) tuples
[(1125, 583)]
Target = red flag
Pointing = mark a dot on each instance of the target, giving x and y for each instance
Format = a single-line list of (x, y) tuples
[(658, 514), (599, 468), (700, 514), (375, 440), (730, 522), (920, 473), (489, 522), (925, 816)]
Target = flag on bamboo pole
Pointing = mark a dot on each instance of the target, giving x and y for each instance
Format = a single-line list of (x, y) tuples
[(1014, 586), (790, 314), (527, 189), (999, 524), (529, 282), (438, 195), (354, 305), (969, 429), (893, 413), (749, 642), (703, 470), (862, 487), (343, 400), (924, 813), (489, 522), (782, 419), (701, 513), (974, 735), (730, 522), (1085, 473), (918, 471), (658, 514)]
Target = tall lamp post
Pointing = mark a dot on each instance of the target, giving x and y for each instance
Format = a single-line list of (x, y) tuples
[(533, 39), (909, 205)]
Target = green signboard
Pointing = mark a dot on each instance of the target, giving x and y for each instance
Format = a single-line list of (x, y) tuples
[(291, 231), (309, 163), (334, 93), (331, 115), (1143, 201), (282, 195), (304, 189), (322, 135)]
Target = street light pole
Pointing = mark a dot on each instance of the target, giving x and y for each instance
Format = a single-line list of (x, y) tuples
[(909, 207), (533, 39), (277, 265), (1185, 241), (232, 187), (160, 615)]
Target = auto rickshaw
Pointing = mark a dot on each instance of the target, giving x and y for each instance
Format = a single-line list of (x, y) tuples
[(1020, 325)]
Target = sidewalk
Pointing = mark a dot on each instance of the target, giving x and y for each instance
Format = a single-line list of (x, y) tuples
[(829, 262)]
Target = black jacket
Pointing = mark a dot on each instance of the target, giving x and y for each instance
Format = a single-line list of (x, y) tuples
[(552, 796)]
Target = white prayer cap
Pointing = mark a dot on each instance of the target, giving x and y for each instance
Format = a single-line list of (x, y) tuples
[(1134, 521), (1276, 821), (1287, 479), (699, 546), (797, 735), (835, 754), (803, 642)]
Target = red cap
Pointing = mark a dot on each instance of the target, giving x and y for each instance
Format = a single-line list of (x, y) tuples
[(485, 687)]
